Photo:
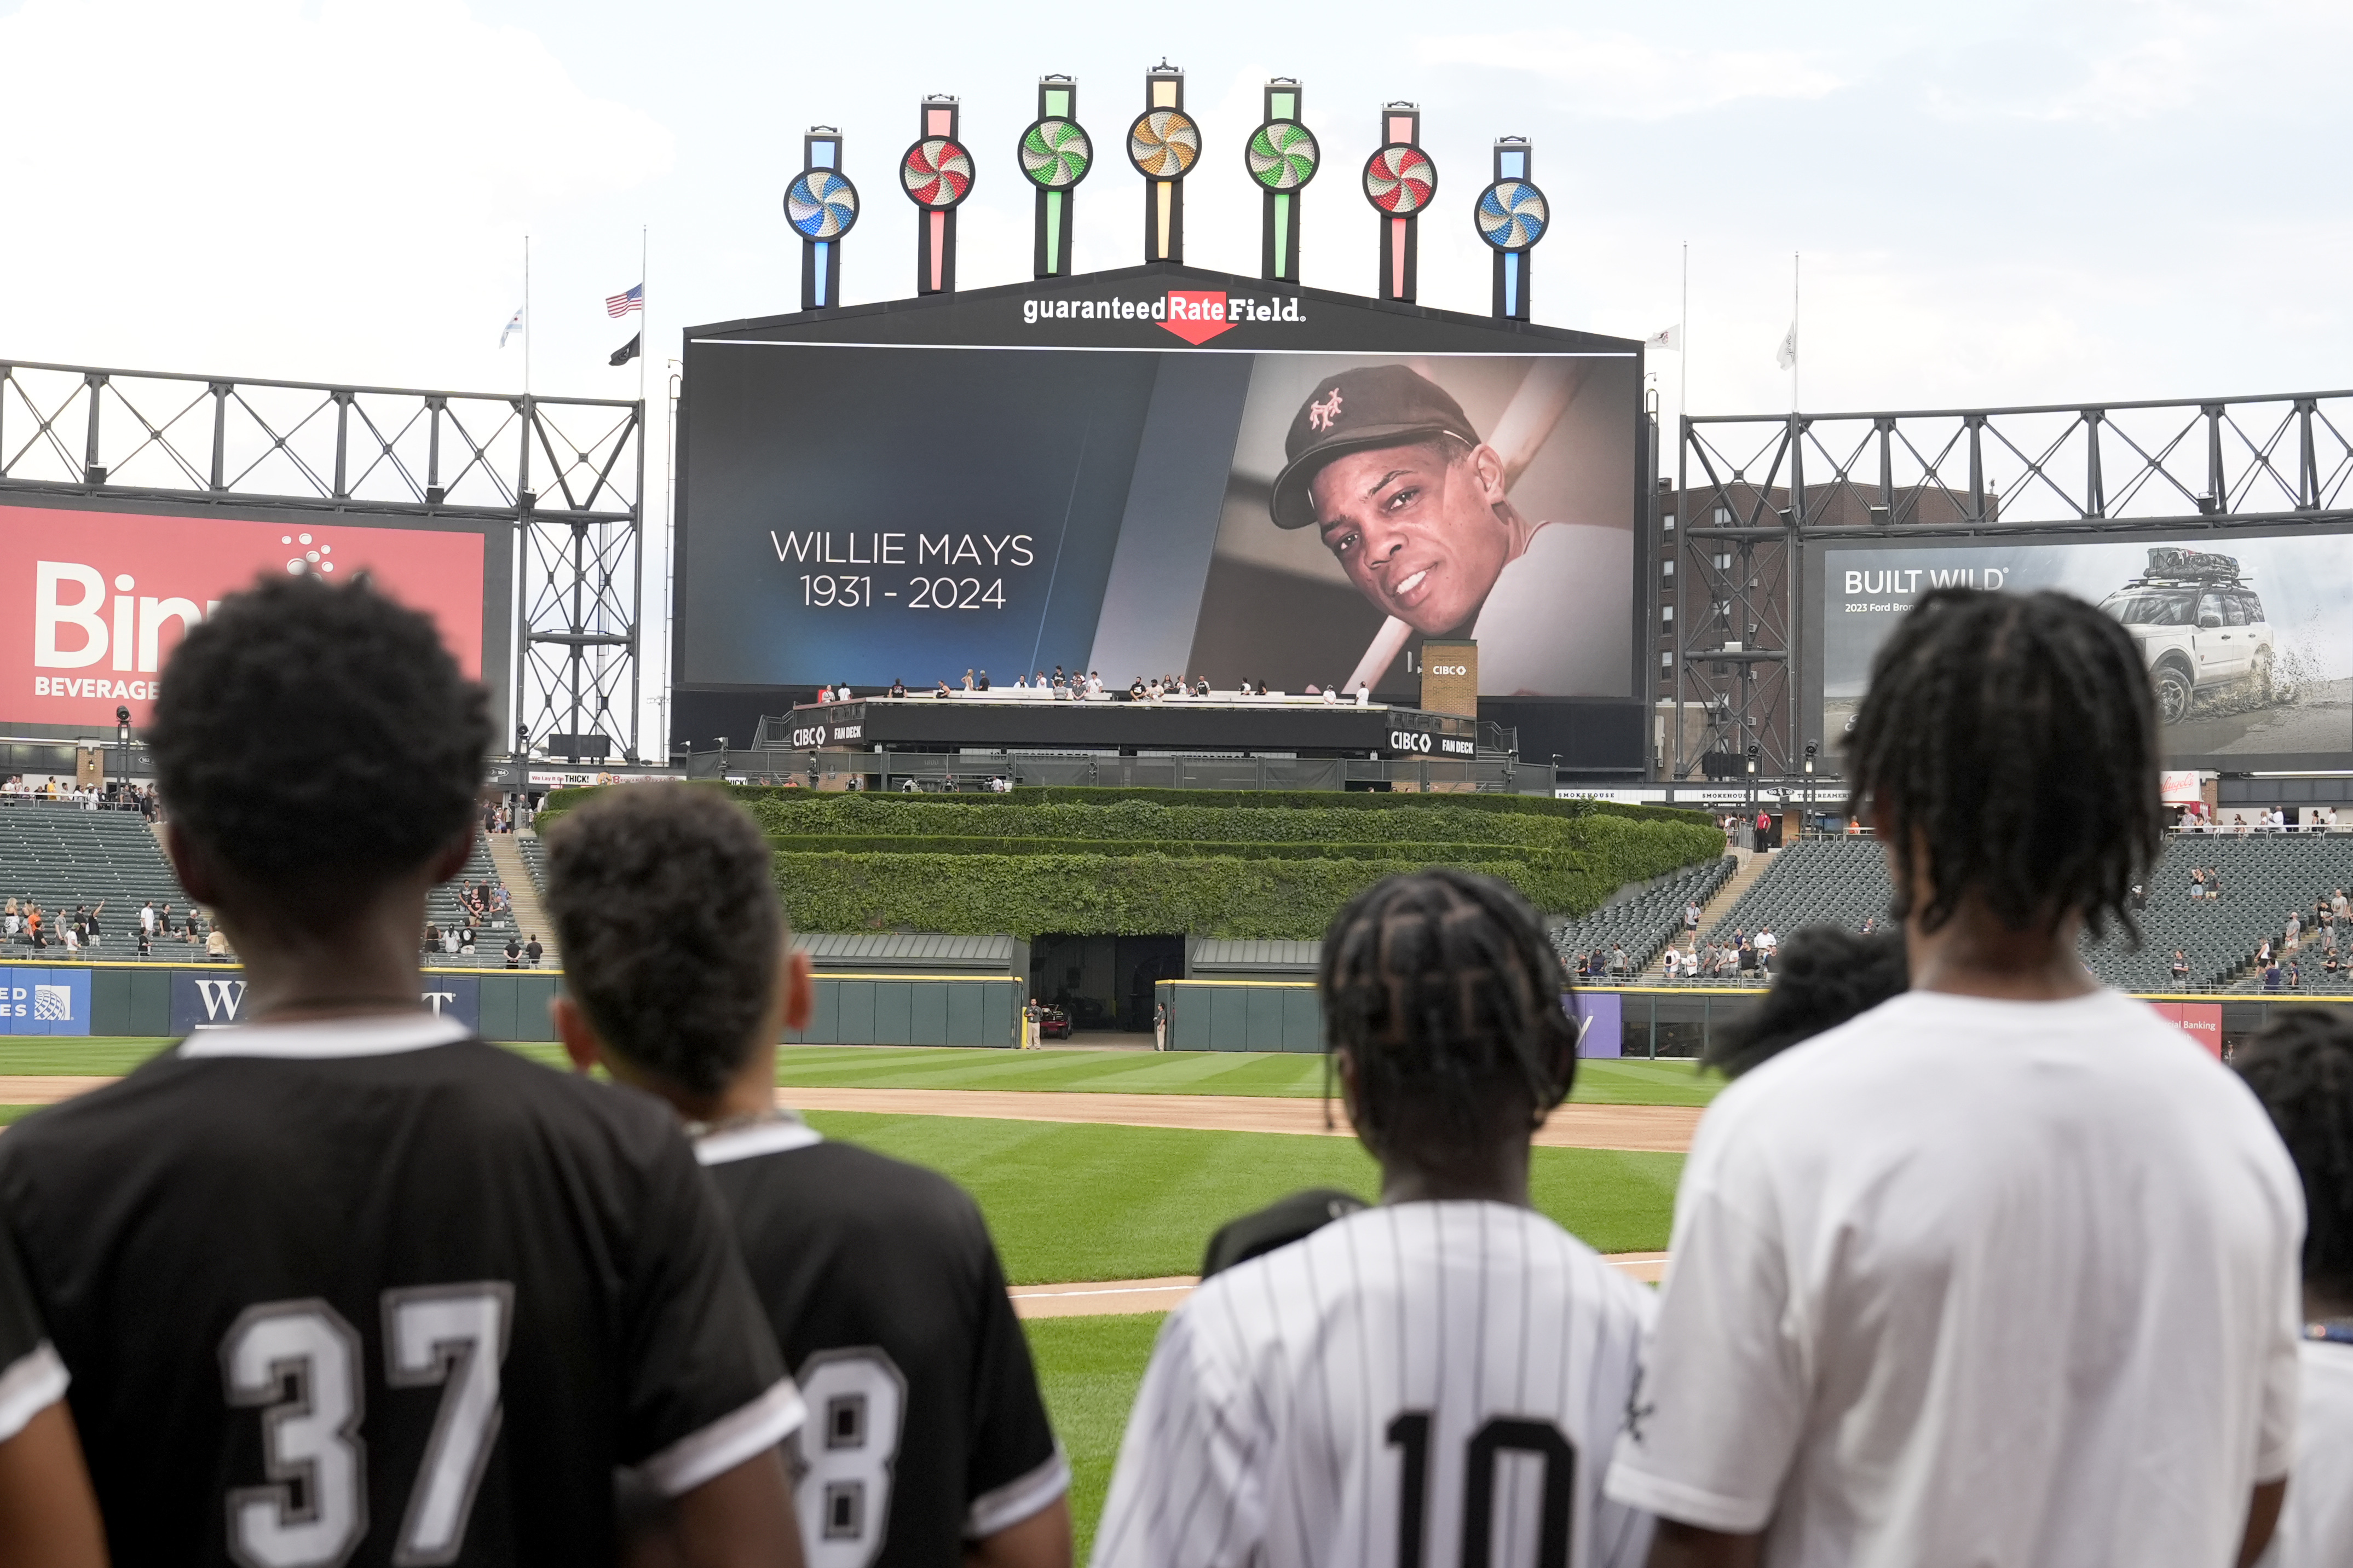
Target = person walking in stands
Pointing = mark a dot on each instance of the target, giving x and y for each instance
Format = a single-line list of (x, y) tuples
[(32, 923), (1843, 1370)]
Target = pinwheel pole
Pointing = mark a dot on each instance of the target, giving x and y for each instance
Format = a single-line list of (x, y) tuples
[(936, 174), (1512, 215), (1056, 154), (1282, 156), (822, 206), (1399, 180), (1164, 143)]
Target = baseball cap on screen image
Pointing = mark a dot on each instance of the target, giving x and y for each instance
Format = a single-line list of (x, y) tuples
[(1353, 411)]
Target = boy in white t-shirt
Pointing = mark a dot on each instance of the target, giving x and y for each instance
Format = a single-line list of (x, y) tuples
[(2004, 1271), (2302, 1069)]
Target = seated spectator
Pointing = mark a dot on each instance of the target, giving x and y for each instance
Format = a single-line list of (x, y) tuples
[(1830, 975), (1201, 687), (1135, 690), (942, 691)]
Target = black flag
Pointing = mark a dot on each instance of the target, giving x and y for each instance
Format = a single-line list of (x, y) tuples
[(627, 351)]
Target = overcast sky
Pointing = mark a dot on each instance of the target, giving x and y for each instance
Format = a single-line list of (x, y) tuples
[(1997, 203)]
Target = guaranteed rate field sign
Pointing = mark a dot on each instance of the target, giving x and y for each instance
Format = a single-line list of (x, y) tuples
[(97, 600)]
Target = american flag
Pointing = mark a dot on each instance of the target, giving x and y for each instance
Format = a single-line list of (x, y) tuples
[(619, 305)]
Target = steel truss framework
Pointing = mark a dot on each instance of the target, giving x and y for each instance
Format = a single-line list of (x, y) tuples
[(1753, 492), (568, 472)]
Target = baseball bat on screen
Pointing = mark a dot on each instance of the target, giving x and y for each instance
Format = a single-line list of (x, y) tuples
[(1526, 422)]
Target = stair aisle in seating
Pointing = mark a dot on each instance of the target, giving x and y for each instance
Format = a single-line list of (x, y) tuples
[(523, 893)]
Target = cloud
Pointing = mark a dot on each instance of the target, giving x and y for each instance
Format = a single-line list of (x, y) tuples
[(1619, 77), (311, 170)]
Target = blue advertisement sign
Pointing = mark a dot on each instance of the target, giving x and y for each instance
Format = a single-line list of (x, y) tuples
[(1601, 1018), (45, 1001), (201, 1001)]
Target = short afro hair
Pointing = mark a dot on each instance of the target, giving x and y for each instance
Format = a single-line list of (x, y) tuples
[(1823, 977), (311, 736), (1443, 988), (2301, 1068), (665, 902), (2012, 738)]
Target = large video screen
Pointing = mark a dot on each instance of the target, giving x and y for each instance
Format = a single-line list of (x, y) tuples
[(2248, 637), (866, 513), (108, 594)]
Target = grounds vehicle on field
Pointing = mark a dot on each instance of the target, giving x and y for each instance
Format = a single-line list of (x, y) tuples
[(2200, 627), (1054, 1024)]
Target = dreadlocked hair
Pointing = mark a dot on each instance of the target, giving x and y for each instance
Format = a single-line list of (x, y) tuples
[(1443, 990), (2011, 739), (2301, 1068)]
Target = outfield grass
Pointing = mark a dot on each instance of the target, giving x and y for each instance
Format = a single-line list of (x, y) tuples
[(1069, 1202), (75, 1054), (1599, 1081), (1089, 1369)]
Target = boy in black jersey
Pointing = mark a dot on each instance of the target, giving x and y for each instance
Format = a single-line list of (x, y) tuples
[(342, 1285), (927, 1439)]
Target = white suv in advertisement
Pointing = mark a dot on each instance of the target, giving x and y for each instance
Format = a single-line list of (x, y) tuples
[(2200, 627)]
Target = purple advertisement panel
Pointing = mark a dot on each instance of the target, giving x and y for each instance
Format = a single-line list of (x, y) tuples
[(1600, 1022)]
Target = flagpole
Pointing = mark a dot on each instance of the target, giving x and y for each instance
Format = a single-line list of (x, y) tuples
[(1683, 326), (1796, 263), (645, 315), (526, 315)]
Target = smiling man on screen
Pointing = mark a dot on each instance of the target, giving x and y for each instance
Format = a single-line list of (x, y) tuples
[(1415, 505)]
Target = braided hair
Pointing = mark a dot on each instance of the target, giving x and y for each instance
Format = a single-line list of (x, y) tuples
[(2301, 1068), (2012, 738), (1443, 990)]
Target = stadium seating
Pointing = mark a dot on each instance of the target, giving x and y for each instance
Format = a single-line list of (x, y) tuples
[(534, 860), (1644, 923), (1844, 881), (61, 856), (1815, 882)]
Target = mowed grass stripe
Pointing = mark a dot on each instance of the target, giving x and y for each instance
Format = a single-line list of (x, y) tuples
[(1284, 1075), (1601, 1081), (1089, 1370), (1069, 1202)]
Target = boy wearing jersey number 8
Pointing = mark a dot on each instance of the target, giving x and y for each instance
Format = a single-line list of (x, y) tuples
[(342, 1285), (927, 1439), (1432, 1381), (2004, 1269)]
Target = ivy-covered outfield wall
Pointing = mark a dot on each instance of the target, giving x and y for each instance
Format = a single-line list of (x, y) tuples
[(1272, 864)]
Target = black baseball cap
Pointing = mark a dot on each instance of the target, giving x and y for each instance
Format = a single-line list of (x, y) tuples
[(1379, 405)]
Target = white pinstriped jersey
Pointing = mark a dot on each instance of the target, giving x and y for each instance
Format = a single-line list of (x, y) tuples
[(1419, 1385)]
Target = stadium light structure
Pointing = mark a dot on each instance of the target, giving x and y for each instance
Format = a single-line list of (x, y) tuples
[(567, 474), (822, 206), (1400, 182), (1754, 494), (1282, 156), (1512, 216), (936, 173), (1056, 154), (1164, 142)]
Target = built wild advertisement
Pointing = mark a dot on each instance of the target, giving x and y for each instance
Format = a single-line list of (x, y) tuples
[(2248, 637), (1147, 482)]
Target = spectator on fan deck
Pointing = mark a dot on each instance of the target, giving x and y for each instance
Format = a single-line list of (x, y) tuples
[(983, 680), (2301, 1068), (898, 687), (967, 680), (942, 691), (1135, 690), (1843, 1370), (825, 693)]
